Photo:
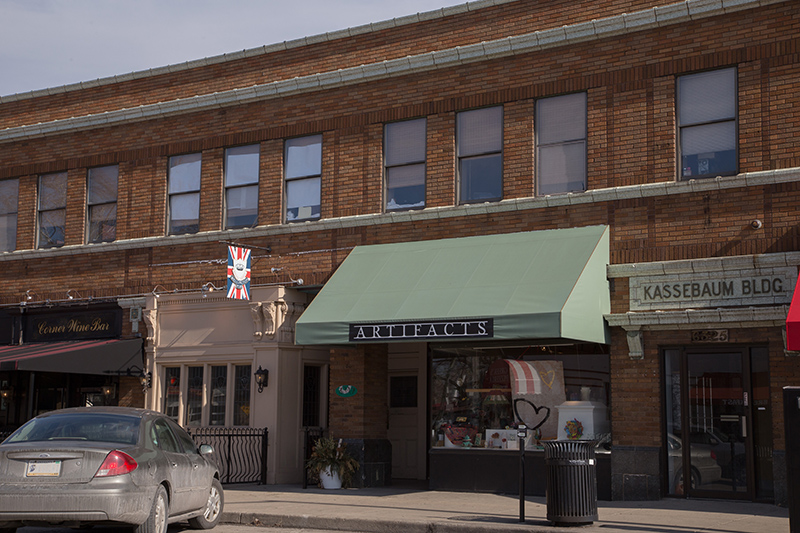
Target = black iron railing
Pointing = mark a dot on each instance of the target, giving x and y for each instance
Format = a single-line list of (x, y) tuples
[(240, 453)]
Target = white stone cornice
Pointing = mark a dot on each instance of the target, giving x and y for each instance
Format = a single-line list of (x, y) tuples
[(752, 179), (740, 317), (671, 14)]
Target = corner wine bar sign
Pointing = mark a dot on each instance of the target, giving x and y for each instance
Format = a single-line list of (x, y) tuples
[(72, 326)]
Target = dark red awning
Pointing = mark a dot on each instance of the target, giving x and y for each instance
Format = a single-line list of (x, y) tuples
[(108, 356), (793, 321)]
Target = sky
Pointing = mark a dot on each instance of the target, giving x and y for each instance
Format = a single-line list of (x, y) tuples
[(51, 43)]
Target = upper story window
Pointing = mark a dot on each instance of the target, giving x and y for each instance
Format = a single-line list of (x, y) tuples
[(102, 203), (52, 210), (241, 186), (707, 106), (479, 136), (9, 199), (303, 163), (184, 194), (561, 144), (404, 157)]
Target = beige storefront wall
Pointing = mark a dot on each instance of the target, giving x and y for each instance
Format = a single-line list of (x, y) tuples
[(206, 329)]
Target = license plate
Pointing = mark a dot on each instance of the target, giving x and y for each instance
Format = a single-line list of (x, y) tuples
[(43, 468)]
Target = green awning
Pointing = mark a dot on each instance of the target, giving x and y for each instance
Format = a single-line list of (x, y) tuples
[(548, 284)]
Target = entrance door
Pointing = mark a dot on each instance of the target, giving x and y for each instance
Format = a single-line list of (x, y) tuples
[(717, 417)]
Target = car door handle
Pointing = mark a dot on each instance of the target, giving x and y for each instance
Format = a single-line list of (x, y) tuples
[(174, 465)]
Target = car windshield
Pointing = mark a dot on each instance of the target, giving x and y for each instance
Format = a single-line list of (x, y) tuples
[(93, 427)]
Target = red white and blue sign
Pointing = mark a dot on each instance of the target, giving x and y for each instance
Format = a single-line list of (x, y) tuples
[(238, 273)]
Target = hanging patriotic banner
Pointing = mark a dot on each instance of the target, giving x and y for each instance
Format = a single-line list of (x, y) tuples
[(238, 273)]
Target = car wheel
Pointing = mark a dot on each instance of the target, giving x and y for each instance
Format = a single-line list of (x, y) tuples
[(694, 482), (213, 510), (157, 521)]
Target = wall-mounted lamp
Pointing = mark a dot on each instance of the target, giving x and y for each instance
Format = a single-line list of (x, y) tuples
[(145, 380), (756, 224), (29, 294), (156, 292), (209, 287), (262, 378), (275, 270), (71, 294), (7, 393), (109, 390)]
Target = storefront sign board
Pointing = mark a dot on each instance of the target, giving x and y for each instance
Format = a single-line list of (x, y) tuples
[(428, 331), (770, 286), (73, 326)]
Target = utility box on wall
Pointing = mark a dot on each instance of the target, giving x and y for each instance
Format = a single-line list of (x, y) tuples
[(791, 421)]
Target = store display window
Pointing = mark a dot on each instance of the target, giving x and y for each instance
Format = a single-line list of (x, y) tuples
[(479, 395)]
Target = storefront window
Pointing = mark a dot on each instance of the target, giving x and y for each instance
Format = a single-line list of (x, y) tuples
[(241, 395), (219, 389), (214, 395), (194, 394), (172, 397), (479, 395)]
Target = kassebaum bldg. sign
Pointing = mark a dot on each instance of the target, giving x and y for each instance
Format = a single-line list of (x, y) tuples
[(770, 286)]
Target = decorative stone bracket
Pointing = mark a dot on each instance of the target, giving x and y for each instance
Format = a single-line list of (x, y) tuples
[(274, 318), (635, 344)]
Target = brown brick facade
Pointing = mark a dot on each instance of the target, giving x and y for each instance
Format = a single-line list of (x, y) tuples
[(632, 146)]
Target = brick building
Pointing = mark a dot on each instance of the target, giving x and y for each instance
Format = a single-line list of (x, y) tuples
[(455, 219)]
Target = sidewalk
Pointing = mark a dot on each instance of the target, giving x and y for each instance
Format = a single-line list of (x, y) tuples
[(412, 509)]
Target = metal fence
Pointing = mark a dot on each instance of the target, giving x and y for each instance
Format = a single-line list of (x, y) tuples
[(240, 453)]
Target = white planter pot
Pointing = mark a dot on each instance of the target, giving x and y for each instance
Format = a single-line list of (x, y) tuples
[(330, 480)]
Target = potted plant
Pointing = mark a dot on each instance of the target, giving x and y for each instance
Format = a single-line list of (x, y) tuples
[(331, 462)]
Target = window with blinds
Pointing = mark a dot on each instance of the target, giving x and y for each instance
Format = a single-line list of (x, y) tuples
[(561, 144), (479, 140), (404, 158), (707, 123)]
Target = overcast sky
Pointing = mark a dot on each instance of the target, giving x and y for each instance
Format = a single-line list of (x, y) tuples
[(50, 43)]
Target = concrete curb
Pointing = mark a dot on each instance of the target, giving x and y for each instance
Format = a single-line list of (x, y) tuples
[(384, 526)]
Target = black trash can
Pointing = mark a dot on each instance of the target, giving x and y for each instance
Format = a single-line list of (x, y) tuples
[(571, 481)]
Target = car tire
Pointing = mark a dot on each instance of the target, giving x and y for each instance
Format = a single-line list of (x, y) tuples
[(213, 509), (159, 514)]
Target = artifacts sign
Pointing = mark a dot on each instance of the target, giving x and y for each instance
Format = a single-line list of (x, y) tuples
[(713, 289), (431, 330)]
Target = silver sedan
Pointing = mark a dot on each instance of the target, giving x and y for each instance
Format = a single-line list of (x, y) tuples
[(106, 465)]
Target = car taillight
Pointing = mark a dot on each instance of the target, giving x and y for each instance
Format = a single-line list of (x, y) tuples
[(115, 464), (713, 455)]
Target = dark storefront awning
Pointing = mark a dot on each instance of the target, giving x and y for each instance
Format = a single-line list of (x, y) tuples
[(108, 356), (793, 321), (535, 285)]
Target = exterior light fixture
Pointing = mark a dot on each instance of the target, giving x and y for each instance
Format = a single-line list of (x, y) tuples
[(109, 390), (275, 270), (262, 378), (209, 287), (71, 294), (29, 294), (6, 393), (155, 291), (145, 380)]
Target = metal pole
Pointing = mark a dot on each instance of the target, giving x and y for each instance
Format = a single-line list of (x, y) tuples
[(521, 432)]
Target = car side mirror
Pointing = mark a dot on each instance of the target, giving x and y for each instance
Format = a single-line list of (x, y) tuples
[(206, 449)]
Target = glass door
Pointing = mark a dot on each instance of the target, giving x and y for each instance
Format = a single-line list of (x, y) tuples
[(718, 405), (710, 421)]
